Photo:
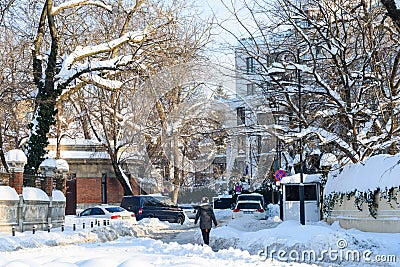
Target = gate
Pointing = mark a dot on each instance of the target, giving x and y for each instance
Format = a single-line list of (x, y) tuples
[(70, 208)]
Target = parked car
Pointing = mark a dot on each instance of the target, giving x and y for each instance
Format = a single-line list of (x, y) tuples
[(189, 210), (252, 196), (251, 208), (150, 207), (110, 212)]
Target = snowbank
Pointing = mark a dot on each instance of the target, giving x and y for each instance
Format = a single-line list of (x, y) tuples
[(381, 171), (238, 242)]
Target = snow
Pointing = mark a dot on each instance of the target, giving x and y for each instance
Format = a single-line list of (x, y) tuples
[(125, 177), (58, 195), (32, 193), (328, 160), (236, 242), (16, 155), (380, 171), (70, 67), (8, 193), (62, 165), (307, 178), (73, 3), (48, 163)]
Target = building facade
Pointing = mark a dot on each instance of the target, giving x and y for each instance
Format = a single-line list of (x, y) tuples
[(91, 179)]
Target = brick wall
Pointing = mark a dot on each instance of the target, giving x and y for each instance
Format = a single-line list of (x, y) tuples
[(114, 190), (88, 190)]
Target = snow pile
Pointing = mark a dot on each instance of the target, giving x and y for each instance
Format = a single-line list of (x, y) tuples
[(380, 171), (58, 195), (153, 223), (16, 155), (58, 238), (32, 193), (273, 210), (234, 243), (8, 193), (292, 237)]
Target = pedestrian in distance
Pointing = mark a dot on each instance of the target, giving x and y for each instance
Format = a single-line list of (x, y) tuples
[(206, 216)]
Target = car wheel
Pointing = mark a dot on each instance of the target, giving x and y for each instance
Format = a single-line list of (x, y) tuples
[(150, 216), (180, 220)]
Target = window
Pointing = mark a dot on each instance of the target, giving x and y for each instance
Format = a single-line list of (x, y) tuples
[(114, 209), (103, 188), (241, 141), (249, 206), (250, 68), (85, 212), (97, 211), (250, 89), (153, 202), (310, 192), (293, 192), (241, 115)]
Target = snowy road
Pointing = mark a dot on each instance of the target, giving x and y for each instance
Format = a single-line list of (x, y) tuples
[(234, 243)]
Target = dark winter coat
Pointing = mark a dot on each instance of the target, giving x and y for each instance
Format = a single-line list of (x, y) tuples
[(206, 215)]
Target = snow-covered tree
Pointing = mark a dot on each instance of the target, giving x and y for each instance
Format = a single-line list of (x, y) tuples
[(15, 82), (97, 48), (341, 58), (184, 126)]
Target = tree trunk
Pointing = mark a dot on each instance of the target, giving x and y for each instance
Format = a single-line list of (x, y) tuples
[(120, 177)]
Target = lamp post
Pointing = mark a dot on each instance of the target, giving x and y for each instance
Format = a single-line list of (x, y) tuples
[(298, 77)]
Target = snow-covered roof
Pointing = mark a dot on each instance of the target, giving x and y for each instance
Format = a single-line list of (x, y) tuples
[(380, 171), (307, 178), (16, 155), (77, 141), (81, 155), (8, 193)]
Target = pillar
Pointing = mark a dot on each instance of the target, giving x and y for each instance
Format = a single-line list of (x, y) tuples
[(47, 168), (17, 181), (49, 186), (16, 161)]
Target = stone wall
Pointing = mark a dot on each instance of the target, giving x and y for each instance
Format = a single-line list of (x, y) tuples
[(25, 214), (387, 219), (8, 215)]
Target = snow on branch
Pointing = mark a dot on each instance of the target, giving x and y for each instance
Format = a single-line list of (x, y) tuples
[(101, 82), (327, 137), (74, 3), (66, 73), (83, 52)]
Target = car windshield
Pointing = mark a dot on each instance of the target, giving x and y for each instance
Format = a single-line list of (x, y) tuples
[(114, 209), (164, 200), (258, 198), (245, 206)]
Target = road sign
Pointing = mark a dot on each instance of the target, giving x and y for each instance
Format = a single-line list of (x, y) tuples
[(279, 174)]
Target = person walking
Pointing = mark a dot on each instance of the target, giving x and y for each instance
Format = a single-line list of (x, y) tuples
[(206, 215)]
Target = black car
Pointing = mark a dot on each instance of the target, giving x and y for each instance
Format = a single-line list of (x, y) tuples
[(150, 207)]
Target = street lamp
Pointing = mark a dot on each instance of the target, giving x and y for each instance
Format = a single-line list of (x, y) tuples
[(298, 77)]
